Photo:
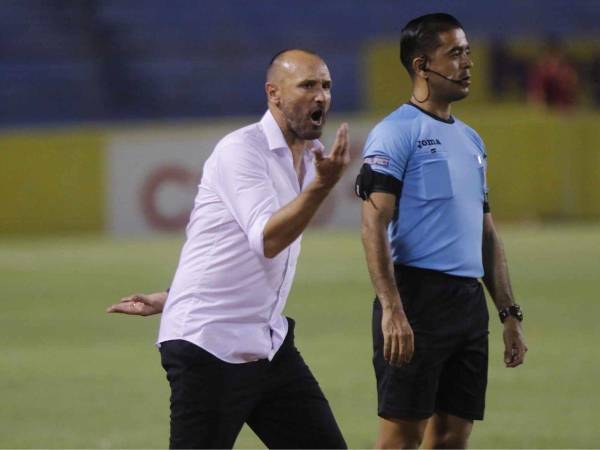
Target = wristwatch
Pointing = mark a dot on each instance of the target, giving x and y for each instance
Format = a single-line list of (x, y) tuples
[(512, 310)]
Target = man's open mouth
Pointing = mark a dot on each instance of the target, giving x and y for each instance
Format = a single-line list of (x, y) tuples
[(317, 116)]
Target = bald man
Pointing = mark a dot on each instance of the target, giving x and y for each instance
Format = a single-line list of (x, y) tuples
[(227, 349)]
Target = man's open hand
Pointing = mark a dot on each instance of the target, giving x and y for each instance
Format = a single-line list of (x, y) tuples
[(140, 304), (331, 167)]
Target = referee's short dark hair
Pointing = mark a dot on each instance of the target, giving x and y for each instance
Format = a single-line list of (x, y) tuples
[(420, 36)]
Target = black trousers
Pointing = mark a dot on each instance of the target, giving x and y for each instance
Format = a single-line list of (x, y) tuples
[(280, 400)]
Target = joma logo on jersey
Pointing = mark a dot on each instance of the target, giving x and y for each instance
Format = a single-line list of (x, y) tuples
[(427, 142)]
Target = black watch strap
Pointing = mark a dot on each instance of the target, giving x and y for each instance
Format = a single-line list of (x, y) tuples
[(512, 310)]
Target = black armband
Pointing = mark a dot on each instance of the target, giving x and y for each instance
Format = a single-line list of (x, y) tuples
[(369, 181)]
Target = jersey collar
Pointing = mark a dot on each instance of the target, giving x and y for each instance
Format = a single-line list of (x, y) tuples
[(450, 120)]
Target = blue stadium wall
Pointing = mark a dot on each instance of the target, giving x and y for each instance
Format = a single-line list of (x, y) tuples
[(91, 60)]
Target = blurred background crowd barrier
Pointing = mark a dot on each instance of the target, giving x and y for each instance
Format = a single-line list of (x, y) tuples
[(108, 108)]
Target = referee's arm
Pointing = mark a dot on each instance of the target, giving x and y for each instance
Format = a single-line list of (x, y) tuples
[(398, 339), (498, 284)]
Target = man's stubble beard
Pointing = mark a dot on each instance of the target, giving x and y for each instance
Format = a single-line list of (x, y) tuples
[(447, 94), (458, 97), (455, 95), (301, 128)]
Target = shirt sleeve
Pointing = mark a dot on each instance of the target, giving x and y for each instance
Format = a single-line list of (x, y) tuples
[(388, 150), (244, 186), (481, 146), (486, 189)]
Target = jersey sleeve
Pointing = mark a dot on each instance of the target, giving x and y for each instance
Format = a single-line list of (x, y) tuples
[(388, 149), (481, 146)]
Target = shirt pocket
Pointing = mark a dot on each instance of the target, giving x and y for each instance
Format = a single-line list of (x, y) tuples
[(437, 183)]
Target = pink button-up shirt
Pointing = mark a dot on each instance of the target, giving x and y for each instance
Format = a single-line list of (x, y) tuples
[(227, 297)]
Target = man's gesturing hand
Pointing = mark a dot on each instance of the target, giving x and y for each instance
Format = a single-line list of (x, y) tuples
[(398, 339), (514, 343), (331, 167), (140, 304)]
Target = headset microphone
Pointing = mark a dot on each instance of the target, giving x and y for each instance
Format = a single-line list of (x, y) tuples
[(425, 69)]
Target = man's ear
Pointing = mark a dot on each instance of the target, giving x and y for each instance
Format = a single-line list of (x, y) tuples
[(419, 65), (272, 91)]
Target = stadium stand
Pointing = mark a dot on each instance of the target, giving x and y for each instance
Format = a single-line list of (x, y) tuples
[(71, 60)]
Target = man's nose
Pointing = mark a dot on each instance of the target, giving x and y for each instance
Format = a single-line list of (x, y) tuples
[(468, 62), (320, 96)]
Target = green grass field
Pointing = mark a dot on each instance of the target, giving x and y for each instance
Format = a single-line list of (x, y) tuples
[(72, 376)]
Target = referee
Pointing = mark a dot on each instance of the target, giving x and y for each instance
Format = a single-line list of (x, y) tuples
[(428, 236), (225, 345)]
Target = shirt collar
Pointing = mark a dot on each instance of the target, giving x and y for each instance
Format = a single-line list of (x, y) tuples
[(449, 120), (275, 137)]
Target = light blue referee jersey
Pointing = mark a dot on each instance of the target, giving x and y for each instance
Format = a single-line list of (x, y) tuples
[(442, 164)]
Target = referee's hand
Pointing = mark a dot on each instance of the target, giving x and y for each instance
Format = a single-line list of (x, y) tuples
[(514, 343), (398, 338)]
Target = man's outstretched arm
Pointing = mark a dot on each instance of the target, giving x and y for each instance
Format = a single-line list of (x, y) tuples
[(497, 281)]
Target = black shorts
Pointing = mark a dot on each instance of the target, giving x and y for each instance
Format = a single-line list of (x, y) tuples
[(448, 371), (280, 399)]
